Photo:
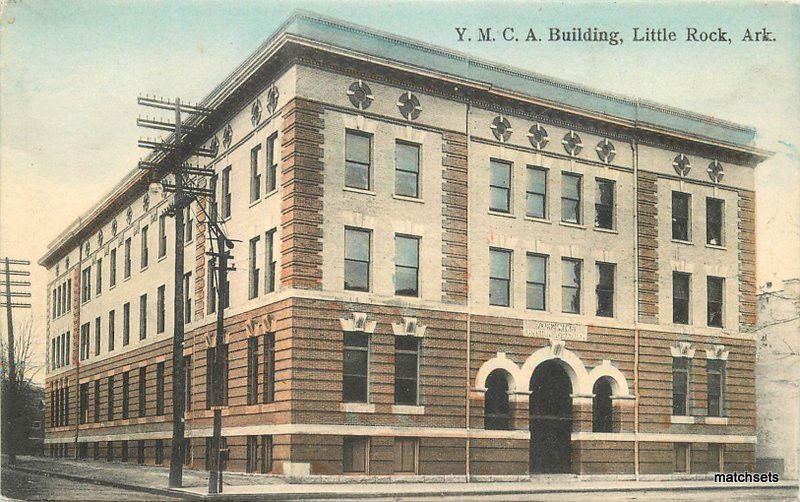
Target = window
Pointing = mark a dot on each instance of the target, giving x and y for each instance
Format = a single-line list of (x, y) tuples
[(111, 331), (406, 173), (272, 164), (96, 401), (212, 287), (140, 452), (405, 455), (84, 353), (356, 364), (358, 154), (83, 412), (716, 385), (127, 266), (252, 454), (126, 380), (356, 259), (187, 379), (605, 289), (255, 175), (159, 451), (96, 451), (571, 198), (255, 271), (86, 284), (162, 236), (110, 451), (269, 368), (681, 216), (188, 227), (406, 268), (571, 285), (187, 451), (406, 369), (715, 291), (124, 456), (497, 413), (143, 317), (602, 410), (269, 255), (97, 336), (226, 193), (222, 399), (161, 309), (716, 457), (145, 249), (252, 370), (499, 277), (536, 284), (98, 278), (187, 297), (160, 388), (69, 295), (680, 386), (715, 210), (355, 454), (536, 193), (604, 205), (680, 297), (110, 397), (500, 186), (682, 457), (142, 391), (112, 269)]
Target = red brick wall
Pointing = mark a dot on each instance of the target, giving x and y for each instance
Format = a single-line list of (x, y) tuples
[(454, 218), (747, 261), (647, 210)]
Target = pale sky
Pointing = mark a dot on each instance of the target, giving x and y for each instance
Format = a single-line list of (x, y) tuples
[(70, 73)]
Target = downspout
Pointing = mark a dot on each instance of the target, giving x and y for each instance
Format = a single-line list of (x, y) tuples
[(468, 443), (76, 315), (635, 159)]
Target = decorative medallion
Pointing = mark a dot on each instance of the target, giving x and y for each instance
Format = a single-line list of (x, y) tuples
[(86, 248), (214, 146), (146, 202), (606, 151), (129, 215), (227, 136), (408, 104), (537, 135), (715, 171), (501, 128), (360, 95), (572, 143), (100, 238), (682, 165), (114, 227), (255, 113), (272, 99)]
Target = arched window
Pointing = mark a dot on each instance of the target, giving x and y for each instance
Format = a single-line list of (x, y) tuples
[(496, 411), (602, 414)]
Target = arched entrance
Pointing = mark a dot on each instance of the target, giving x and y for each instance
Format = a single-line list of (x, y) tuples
[(551, 419)]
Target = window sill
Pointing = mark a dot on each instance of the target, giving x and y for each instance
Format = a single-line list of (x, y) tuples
[(162, 257), (681, 419), (406, 198), (538, 220), (606, 230), (716, 421), (270, 193), (501, 214), (714, 246), (254, 202), (572, 225), (400, 409), (359, 191), (144, 268), (357, 407), (679, 241)]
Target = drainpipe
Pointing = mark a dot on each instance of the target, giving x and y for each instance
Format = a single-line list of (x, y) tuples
[(635, 158), (76, 314), (469, 316)]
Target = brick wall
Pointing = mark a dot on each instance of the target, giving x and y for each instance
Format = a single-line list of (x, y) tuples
[(747, 260), (454, 218), (647, 210)]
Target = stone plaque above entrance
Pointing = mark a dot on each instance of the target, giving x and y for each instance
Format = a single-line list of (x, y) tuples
[(553, 330)]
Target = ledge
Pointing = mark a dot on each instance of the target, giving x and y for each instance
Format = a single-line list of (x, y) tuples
[(408, 199), (685, 243), (357, 407), (360, 191), (681, 419), (714, 246), (408, 410), (501, 214), (572, 225), (538, 220), (716, 420), (606, 230)]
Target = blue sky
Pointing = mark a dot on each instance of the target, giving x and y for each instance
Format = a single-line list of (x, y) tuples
[(70, 73)]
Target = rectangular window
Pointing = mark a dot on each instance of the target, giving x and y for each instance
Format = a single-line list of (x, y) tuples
[(144, 258), (96, 401), (255, 271), (97, 336), (500, 186), (55, 302), (86, 285), (125, 456), (358, 155), (406, 268), (252, 370), (161, 308), (536, 193), (83, 403), (536, 284), (681, 294), (111, 331), (355, 371), (187, 297), (84, 353), (140, 452), (126, 324), (187, 379), (69, 295), (162, 236), (571, 198), (127, 265), (680, 386), (110, 451), (159, 451), (223, 383), (160, 388), (716, 457), (110, 397), (269, 256), (98, 277), (604, 205), (715, 292), (212, 287), (716, 385), (255, 174), (269, 368), (681, 216), (252, 454), (570, 285), (715, 210), (406, 173), (142, 391), (226, 193), (499, 277), (272, 164), (143, 317), (112, 269), (356, 259), (605, 289), (405, 455), (682, 457), (126, 380), (406, 365), (188, 227), (355, 454)]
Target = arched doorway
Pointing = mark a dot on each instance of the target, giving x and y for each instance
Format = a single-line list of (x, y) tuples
[(551, 419)]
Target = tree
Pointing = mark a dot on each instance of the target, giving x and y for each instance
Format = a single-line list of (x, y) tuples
[(20, 400)]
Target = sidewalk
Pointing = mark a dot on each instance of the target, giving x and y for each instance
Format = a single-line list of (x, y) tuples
[(153, 480)]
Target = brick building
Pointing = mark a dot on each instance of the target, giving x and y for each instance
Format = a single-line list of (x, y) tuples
[(446, 266)]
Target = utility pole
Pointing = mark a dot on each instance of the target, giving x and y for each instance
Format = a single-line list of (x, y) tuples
[(10, 305)]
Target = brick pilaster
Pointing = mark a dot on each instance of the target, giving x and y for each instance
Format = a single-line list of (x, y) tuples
[(747, 260), (454, 218), (200, 262), (647, 211)]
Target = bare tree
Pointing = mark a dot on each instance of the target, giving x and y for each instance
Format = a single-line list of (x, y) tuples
[(18, 405)]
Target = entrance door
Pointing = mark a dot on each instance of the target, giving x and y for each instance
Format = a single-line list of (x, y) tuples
[(551, 419)]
